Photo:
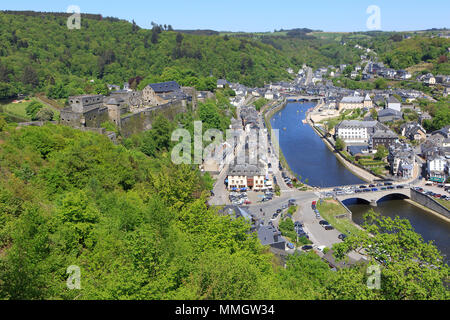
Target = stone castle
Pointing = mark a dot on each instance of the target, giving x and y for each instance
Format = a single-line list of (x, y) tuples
[(132, 111)]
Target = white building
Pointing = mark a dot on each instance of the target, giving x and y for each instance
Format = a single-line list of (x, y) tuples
[(269, 95), (354, 131), (394, 104), (436, 168)]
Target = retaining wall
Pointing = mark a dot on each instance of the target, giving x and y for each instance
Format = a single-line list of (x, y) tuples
[(429, 203)]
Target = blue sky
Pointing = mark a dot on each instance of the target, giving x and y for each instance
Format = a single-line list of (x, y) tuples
[(259, 15)]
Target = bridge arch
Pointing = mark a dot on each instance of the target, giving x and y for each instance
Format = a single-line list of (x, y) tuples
[(393, 196), (355, 200)]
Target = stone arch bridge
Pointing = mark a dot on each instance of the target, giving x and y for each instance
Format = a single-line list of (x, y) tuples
[(374, 197)]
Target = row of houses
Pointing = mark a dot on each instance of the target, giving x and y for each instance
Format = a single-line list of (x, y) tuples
[(436, 151)]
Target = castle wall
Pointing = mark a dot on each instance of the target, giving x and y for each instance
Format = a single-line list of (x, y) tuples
[(143, 120)]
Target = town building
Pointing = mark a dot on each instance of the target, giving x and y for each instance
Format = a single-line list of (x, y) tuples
[(368, 102), (222, 83), (245, 176), (385, 138), (389, 115), (436, 168), (394, 104), (156, 94), (402, 160), (351, 102), (413, 131)]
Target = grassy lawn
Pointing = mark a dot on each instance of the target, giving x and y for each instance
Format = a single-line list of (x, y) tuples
[(17, 109), (445, 203), (329, 209)]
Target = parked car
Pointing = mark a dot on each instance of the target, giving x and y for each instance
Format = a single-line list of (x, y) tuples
[(290, 245), (329, 228), (279, 211), (307, 248), (342, 236), (321, 248), (324, 223)]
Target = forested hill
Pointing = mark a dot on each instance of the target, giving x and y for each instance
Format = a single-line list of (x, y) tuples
[(38, 50)]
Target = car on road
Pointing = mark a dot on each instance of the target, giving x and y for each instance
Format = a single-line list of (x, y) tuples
[(328, 228), (307, 248)]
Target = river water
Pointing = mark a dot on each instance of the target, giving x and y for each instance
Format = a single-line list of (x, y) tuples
[(308, 157), (305, 152)]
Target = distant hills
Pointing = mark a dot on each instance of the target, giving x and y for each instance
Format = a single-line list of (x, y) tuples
[(38, 53)]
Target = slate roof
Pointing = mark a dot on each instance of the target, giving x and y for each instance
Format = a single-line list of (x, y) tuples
[(351, 99), (268, 235), (165, 86), (246, 169)]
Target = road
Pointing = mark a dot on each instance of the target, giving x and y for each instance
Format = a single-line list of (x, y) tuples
[(309, 74), (220, 192)]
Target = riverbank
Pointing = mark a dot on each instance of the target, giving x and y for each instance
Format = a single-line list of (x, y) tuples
[(267, 117), (358, 172), (434, 213)]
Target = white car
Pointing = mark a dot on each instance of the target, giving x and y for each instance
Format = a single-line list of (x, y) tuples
[(321, 248)]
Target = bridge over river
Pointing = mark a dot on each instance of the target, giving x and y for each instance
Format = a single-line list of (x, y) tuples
[(373, 197), (301, 98)]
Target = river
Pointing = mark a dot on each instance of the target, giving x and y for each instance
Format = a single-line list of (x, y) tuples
[(426, 224), (305, 152), (308, 157)]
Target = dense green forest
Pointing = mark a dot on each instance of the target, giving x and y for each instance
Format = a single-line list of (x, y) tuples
[(39, 52), (139, 228)]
